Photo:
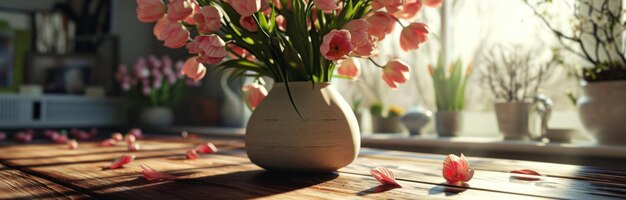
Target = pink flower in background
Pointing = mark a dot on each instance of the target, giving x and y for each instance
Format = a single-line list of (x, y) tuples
[(395, 72), (117, 136), (358, 31), (408, 10), (193, 69), (159, 26), (208, 19), (191, 154), (150, 10), (175, 35), (381, 24), (23, 137), (413, 35), (72, 144), (145, 89), (245, 7), (433, 3), (3, 136), (108, 142), (122, 71), (180, 9), (136, 132), (385, 176), (253, 94), (349, 69), (141, 68), (155, 62), (151, 174), (59, 138), (211, 48), (248, 23), (121, 161), (206, 148), (456, 169), (326, 5), (336, 45)]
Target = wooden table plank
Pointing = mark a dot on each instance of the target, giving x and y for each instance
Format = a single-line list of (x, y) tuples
[(19, 185), (230, 175)]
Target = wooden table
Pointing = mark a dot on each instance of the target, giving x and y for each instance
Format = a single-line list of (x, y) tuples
[(46, 171)]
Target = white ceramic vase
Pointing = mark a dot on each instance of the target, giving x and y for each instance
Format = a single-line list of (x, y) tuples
[(602, 110), (325, 139), (157, 116)]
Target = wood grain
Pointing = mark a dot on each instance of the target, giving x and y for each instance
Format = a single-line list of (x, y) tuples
[(19, 185), (230, 175)]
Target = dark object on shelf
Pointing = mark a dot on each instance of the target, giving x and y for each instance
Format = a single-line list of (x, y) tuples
[(66, 74)]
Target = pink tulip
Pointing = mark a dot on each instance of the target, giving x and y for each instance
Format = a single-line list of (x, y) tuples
[(59, 138), (175, 35), (265, 5), (433, 3), (121, 161), (245, 7), (72, 144), (248, 23), (336, 45), (358, 31), (326, 5), (152, 175), (208, 19), (180, 9), (193, 69), (456, 169), (150, 10), (211, 48), (159, 26), (236, 51), (408, 10), (413, 35), (381, 24), (389, 2), (24, 137), (281, 22), (349, 69), (254, 94), (395, 73)]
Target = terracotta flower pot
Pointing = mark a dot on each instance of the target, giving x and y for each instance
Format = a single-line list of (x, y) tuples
[(325, 140), (602, 110)]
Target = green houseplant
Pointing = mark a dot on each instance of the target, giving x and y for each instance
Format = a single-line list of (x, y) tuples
[(449, 87), (298, 44), (597, 38)]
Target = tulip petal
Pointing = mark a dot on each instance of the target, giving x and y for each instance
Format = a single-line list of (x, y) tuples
[(206, 148), (151, 174), (384, 176), (134, 147), (121, 161), (108, 142), (192, 154), (72, 144), (525, 174)]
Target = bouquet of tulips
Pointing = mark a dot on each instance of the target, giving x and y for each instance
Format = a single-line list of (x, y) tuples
[(286, 40), (154, 81)]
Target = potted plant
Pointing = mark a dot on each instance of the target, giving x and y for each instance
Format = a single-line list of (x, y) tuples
[(513, 79), (449, 96), (386, 121), (303, 124), (597, 38), (153, 85)]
